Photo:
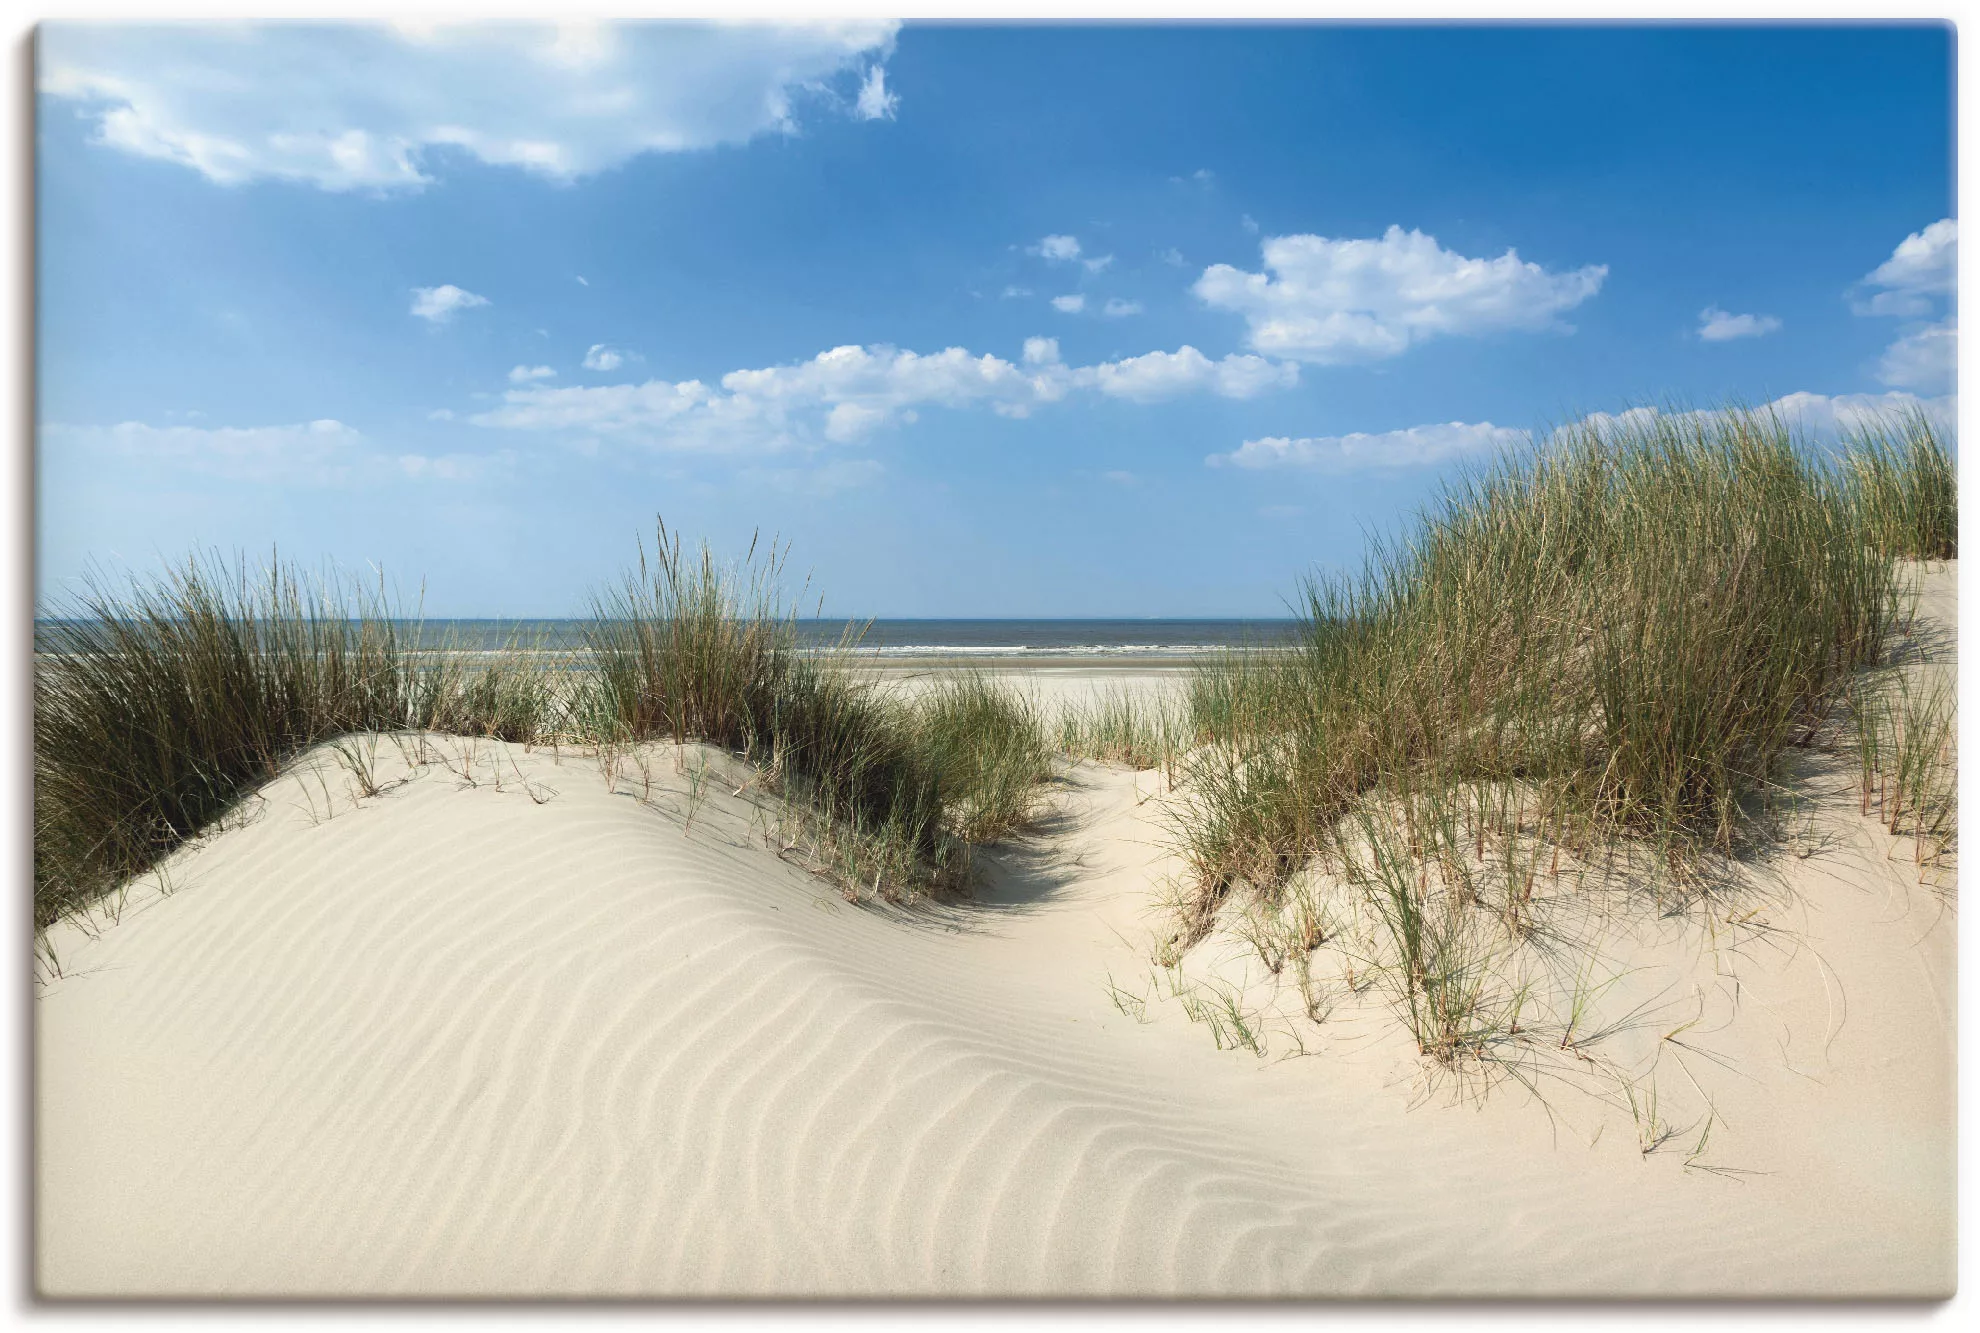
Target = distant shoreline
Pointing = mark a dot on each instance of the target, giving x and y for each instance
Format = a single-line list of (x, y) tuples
[(917, 663), (988, 643)]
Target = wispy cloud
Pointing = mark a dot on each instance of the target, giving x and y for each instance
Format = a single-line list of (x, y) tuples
[(1417, 446), (1334, 301), (322, 453), (1116, 308), (354, 105), (527, 374), (601, 357), (841, 474), (455, 467), (875, 102), (1717, 326), (1070, 304)]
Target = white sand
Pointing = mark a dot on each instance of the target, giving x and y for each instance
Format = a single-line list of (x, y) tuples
[(1057, 686), (454, 1041)]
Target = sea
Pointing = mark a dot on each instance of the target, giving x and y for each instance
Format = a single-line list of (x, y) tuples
[(1043, 638)]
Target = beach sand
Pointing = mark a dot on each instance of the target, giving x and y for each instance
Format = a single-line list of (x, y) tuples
[(1061, 683), (511, 1028)]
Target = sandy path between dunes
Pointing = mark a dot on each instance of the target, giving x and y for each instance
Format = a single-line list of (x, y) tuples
[(547, 1039)]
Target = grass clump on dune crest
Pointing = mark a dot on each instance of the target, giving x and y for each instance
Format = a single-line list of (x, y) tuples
[(891, 793), (1141, 729), (520, 693), (157, 708), (686, 649), (988, 744), (1612, 641)]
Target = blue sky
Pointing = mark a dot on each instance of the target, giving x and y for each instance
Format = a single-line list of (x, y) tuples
[(1008, 321)]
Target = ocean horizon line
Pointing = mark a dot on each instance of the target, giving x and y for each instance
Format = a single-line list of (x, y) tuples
[(921, 636)]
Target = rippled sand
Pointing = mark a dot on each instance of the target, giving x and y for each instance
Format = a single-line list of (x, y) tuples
[(512, 1029)]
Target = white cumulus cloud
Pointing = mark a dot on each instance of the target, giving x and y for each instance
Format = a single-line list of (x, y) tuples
[(601, 357), (1070, 304), (1921, 269), (1061, 248), (846, 394), (1920, 275), (1157, 375), (438, 304), (526, 374), (1333, 301), (1927, 360), (1824, 417), (1717, 326), (348, 106), (1417, 446), (1819, 418)]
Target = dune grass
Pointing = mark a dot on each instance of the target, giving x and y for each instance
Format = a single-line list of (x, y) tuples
[(159, 706), (1905, 486), (893, 793), (1141, 729), (1907, 773), (521, 692), (687, 649), (1613, 641), (988, 743)]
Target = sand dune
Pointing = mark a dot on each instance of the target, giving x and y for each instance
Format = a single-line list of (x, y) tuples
[(512, 1028)]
